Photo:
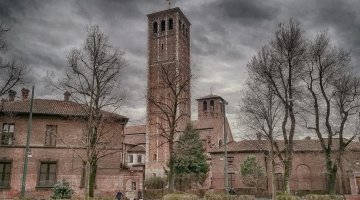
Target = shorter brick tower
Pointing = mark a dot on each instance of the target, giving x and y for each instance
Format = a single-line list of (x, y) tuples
[(211, 121)]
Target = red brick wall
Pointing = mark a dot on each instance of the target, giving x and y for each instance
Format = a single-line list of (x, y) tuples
[(301, 179), (110, 176)]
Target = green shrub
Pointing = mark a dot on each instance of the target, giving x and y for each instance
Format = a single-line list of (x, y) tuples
[(62, 190), (154, 193), (287, 197), (245, 197), (180, 197), (323, 197), (221, 196), (155, 183)]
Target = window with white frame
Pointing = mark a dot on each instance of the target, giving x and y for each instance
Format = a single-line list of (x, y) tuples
[(131, 158), (7, 135)]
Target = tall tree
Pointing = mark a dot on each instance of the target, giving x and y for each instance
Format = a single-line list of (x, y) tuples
[(190, 159), (92, 77), (335, 102), (12, 71), (171, 108), (261, 113), (283, 74)]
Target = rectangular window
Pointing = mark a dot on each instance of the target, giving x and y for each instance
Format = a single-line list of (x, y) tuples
[(139, 158), (50, 135), (133, 186), (5, 174), (279, 181), (7, 135), (131, 158), (47, 174), (83, 175), (230, 159), (231, 180)]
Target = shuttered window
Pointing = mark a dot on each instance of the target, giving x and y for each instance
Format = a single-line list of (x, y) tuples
[(50, 135)]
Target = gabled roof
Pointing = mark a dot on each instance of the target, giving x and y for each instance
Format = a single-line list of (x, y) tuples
[(135, 129), (135, 135), (50, 107), (263, 145)]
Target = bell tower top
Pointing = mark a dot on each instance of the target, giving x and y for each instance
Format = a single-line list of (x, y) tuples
[(169, 11), (210, 106)]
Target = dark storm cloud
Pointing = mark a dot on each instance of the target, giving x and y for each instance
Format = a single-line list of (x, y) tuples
[(224, 36)]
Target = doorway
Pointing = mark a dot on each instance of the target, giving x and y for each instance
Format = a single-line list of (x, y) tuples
[(358, 184)]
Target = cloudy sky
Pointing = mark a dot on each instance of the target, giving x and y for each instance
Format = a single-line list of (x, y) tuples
[(225, 34)]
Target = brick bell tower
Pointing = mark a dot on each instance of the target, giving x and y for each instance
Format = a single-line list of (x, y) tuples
[(168, 44)]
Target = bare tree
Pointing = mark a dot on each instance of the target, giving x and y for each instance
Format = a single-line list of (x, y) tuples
[(92, 79), (171, 108), (261, 112), (12, 71), (330, 84), (283, 73)]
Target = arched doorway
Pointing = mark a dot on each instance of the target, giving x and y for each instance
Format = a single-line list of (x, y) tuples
[(303, 175)]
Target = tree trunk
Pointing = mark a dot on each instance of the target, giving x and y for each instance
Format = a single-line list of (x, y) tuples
[(273, 181), (171, 175), (287, 173), (331, 170), (92, 181)]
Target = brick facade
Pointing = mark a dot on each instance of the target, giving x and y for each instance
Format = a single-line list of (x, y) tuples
[(62, 151), (308, 171)]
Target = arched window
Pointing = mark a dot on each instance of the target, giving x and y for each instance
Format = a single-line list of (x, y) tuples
[(171, 24), (162, 25), (212, 107), (155, 27), (220, 142), (187, 32), (179, 25), (183, 29), (204, 106)]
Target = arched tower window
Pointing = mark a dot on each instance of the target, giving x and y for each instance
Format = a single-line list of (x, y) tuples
[(171, 24), (212, 106), (204, 106), (162, 25), (179, 24), (155, 27), (220, 142), (187, 32)]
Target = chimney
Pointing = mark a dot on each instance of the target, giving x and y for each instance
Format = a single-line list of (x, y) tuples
[(25, 93), (258, 136), (12, 95), (67, 96)]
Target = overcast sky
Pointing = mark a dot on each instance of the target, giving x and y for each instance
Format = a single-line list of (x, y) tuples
[(225, 34)]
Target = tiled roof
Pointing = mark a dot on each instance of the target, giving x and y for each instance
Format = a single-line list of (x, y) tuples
[(135, 135), (138, 148), (264, 145), (211, 96), (49, 107), (135, 129)]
